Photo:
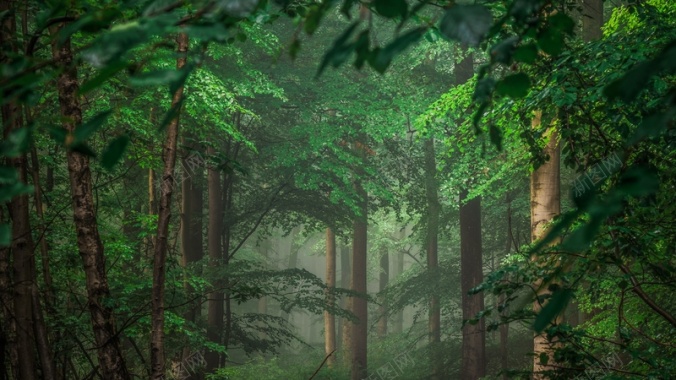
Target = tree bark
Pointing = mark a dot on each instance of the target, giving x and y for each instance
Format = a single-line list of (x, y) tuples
[(384, 280), (214, 233), (431, 250), (545, 205), (111, 361), (191, 235), (592, 20), (345, 282), (329, 318), (473, 335), (471, 263), (157, 357), (359, 330)]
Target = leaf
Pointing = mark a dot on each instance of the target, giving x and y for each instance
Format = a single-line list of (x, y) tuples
[(526, 53), (171, 114), (113, 153), (515, 85), (468, 24), (391, 8), (17, 143), (82, 149), (8, 175), (561, 22), (7, 193), (84, 131), (155, 78), (496, 136), (106, 73), (556, 304), (551, 41), (5, 235), (382, 58), (340, 50), (502, 52)]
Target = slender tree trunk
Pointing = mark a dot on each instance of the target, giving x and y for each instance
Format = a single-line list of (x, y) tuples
[(228, 190), (473, 335), (383, 310), (214, 234), (398, 325), (191, 235), (111, 361), (471, 263), (359, 330), (157, 356), (431, 250), (329, 318), (343, 326), (504, 327), (545, 206)]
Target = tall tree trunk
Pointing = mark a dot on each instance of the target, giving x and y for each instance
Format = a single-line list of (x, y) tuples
[(545, 205), (157, 357), (191, 234), (504, 327), (7, 321), (384, 280), (592, 20), (214, 234), (398, 325), (345, 283), (111, 361), (473, 335), (329, 318), (471, 266), (359, 330), (22, 242), (431, 250), (228, 190)]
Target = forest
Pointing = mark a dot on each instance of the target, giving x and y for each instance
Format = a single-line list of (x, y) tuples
[(337, 189)]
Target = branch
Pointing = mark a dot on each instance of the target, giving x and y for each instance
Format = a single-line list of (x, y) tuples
[(321, 365), (638, 290)]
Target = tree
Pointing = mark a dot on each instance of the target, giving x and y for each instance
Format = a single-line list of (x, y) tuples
[(329, 319), (89, 243), (169, 154)]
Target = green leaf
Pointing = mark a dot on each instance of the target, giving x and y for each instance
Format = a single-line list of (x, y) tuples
[(468, 24), (496, 136), (17, 143), (554, 306), (515, 85), (155, 78), (551, 41), (502, 52), (84, 131), (382, 58), (7, 193), (340, 51), (391, 8), (106, 73), (113, 153), (561, 22), (5, 235), (526, 53), (82, 148), (8, 175)]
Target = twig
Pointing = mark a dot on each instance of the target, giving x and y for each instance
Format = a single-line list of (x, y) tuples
[(321, 365)]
